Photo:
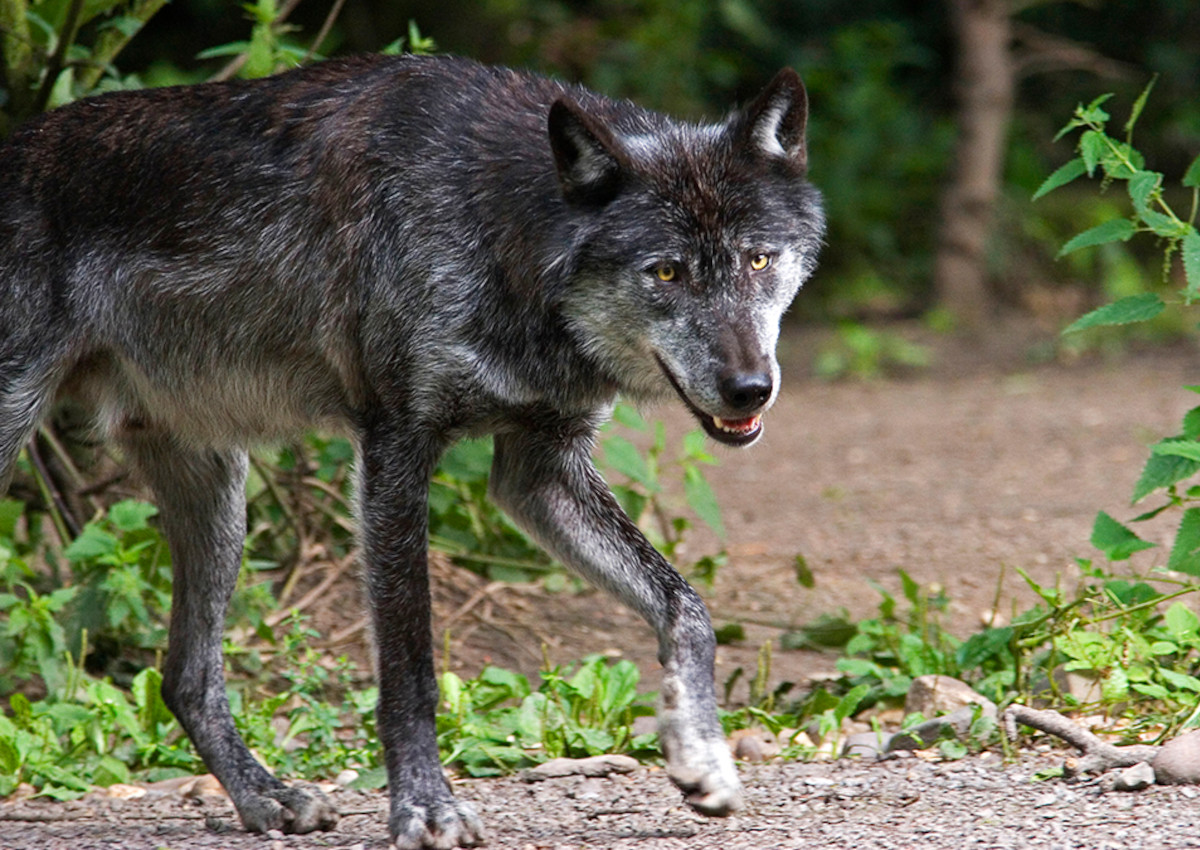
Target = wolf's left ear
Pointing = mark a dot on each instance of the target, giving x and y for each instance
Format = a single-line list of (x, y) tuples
[(586, 154), (774, 124)]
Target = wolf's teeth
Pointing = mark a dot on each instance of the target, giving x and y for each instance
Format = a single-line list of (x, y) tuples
[(736, 426)]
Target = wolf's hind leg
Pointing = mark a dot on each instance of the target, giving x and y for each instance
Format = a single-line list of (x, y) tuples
[(201, 496)]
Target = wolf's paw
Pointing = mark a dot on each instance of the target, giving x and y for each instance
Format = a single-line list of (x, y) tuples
[(703, 770), (441, 824), (288, 809)]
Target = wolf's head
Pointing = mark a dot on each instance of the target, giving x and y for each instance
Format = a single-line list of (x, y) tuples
[(691, 243)]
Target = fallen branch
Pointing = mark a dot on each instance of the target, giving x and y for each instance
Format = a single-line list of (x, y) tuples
[(1097, 756)]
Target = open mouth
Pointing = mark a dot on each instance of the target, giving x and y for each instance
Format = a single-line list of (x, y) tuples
[(731, 432)]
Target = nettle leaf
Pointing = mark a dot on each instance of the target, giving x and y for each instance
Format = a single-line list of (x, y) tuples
[(1181, 621), (1061, 177), (1092, 113), (1142, 186), (1092, 147), (1115, 540), (702, 500), (1163, 225), (1185, 554), (1113, 230), (1163, 470), (1191, 177), (1135, 308), (1191, 424), (1176, 447), (1138, 105), (1121, 161)]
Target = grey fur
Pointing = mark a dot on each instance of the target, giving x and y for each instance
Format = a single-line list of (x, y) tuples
[(408, 250)]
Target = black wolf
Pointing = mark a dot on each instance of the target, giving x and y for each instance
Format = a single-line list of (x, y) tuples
[(410, 250)]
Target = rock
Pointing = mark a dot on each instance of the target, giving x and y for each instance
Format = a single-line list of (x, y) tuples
[(121, 791), (347, 776), (593, 766), (1136, 778), (866, 745), (956, 724), (204, 786), (753, 745), (930, 696), (1178, 762)]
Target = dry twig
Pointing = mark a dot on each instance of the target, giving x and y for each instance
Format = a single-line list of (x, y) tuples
[(1097, 756)]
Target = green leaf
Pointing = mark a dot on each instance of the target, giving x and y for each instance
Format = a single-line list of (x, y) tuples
[(1180, 681), (1191, 177), (92, 542), (622, 456), (1163, 225), (627, 415), (1135, 308), (1181, 622), (1191, 264), (1141, 188), (982, 646), (1092, 113), (849, 703), (1092, 147), (1185, 554), (1163, 470), (1175, 447), (702, 500), (131, 515), (1191, 424), (1139, 105), (1115, 540), (1061, 177), (371, 779), (804, 574), (1113, 230)]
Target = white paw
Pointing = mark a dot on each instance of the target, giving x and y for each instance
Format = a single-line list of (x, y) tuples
[(440, 826), (698, 759)]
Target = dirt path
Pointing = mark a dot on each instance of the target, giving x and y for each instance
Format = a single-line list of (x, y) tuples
[(949, 476)]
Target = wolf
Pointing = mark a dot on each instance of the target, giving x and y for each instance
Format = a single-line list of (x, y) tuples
[(408, 250)]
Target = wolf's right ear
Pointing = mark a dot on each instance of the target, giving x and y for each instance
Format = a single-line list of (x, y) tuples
[(586, 154), (774, 124)]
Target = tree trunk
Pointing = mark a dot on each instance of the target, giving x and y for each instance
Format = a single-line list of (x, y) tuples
[(984, 82)]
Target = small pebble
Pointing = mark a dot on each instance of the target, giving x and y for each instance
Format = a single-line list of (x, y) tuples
[(1136, 778)]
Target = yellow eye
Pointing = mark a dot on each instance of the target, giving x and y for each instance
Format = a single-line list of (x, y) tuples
[(760, 261), (665, 272)]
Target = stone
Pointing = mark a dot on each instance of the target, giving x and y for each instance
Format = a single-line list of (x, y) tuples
[(753, 745), (930, 696), (1178, 761), (593, 766), (1136, 778), (956, 724), (866, 745)]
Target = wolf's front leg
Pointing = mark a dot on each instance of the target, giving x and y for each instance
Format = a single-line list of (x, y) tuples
[(546, 481), (395, 480)]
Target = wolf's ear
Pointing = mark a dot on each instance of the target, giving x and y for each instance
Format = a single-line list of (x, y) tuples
[(774, 124), (586, 154)]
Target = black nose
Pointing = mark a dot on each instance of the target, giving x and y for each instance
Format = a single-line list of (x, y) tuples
[(746, 391)]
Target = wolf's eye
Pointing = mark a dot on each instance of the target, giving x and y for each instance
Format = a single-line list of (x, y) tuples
[(760, 261), (666, 272)]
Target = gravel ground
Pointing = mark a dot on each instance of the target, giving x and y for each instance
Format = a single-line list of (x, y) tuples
[(905, 803)]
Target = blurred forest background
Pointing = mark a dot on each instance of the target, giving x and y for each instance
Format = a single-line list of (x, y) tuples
[(932, 122)]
